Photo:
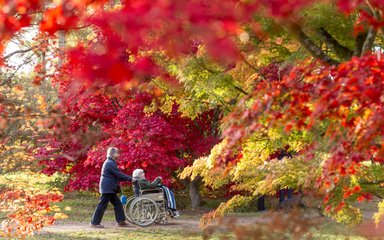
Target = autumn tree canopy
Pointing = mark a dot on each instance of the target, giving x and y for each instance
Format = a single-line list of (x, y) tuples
[(215, 87)]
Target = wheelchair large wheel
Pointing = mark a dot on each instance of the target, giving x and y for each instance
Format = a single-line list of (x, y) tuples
[(143, 211), (126, 208)]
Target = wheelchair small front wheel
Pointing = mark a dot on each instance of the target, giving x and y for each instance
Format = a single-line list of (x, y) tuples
[(143, 211)]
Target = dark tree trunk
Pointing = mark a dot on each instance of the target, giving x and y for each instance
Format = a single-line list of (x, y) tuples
[(341, 51), (305, 41), (194, 193), (359, 42)]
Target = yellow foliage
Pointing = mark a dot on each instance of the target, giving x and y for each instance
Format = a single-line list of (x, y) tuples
[(349, 215), (60, 215), (213, 175), (67, 208)]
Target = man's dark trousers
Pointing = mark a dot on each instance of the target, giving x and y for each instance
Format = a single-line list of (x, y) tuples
[(102, 206)]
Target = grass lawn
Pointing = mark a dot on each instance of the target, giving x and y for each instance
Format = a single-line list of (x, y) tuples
[(335, 231)]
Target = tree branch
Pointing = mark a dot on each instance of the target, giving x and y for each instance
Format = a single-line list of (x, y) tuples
[(308, 44), (372, 33), (19, 51), (28, 60), (369, 41), (252, 67), (240, 89), (26, 115), (372, 183), (202, 64), (341, 51), (116, 105)]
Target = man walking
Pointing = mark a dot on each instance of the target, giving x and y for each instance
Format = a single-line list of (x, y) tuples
[(109, 187)]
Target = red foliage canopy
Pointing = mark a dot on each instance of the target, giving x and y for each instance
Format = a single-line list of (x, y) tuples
[(169, 25), (157, 142)]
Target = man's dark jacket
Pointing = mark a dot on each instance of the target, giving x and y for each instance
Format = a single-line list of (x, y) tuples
[(111, 176)]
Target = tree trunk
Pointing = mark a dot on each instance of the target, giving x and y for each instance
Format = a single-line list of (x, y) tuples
[(369, 41), (194, 193), (62, 46), (305, 41), (341, 51)]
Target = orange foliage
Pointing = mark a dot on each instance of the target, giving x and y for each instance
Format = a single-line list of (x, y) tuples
[(28, 211)]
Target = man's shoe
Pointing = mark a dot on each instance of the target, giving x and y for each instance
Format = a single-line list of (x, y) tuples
[(176, 214), (122, 224), (96, 225)]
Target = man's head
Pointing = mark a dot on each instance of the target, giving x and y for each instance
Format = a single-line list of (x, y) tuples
[(113, 153), (138, 173)]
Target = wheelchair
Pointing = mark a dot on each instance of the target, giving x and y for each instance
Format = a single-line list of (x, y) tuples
[(149, 207)]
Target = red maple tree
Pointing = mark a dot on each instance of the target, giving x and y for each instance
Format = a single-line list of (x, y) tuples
[(158, 142)]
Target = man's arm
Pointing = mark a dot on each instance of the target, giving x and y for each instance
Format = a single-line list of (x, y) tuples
[(118, 174)]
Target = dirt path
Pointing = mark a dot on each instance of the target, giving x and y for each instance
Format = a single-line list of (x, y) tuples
[(185, 223)]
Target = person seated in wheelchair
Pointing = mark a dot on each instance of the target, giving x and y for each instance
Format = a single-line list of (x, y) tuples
[(141, 183)]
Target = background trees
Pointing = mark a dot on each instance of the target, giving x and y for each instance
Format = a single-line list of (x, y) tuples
[(172, 75)]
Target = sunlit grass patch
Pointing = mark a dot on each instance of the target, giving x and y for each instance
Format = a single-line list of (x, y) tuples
[(79, 207)]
